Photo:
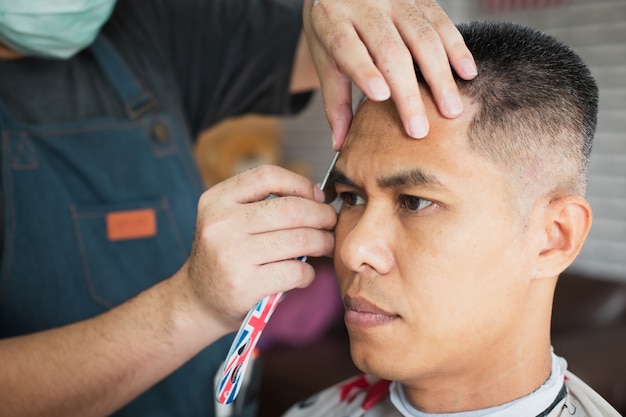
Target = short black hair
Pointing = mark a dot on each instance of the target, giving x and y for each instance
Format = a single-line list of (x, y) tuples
[(538, 105)]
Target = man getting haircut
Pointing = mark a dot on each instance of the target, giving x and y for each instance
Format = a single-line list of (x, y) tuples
[(448, 249)]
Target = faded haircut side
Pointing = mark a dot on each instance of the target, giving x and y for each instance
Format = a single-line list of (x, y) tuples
[(538, 105)]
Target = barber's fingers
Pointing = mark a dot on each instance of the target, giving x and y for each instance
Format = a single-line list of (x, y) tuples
[(458, 54), (392, 57), (258, 183), (283, 213), (336, 94), (285, 245), (244, 245), (340, 58), (238, 209), (246, 267), (435, 44), (372, 41)]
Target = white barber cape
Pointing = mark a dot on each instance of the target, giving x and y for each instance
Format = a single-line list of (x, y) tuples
[(563, 395)]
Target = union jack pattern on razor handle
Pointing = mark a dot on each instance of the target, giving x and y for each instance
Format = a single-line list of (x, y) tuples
[(247, 337)]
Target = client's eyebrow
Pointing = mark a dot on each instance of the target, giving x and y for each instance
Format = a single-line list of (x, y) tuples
[(338, 177), (416, 177)]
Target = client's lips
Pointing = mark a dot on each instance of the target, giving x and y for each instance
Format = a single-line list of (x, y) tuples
[(362, 313)]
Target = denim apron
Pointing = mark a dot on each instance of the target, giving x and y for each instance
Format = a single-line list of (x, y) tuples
[(96, 211)]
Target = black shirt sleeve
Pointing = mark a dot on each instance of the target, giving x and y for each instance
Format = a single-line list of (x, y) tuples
[(217, 58)]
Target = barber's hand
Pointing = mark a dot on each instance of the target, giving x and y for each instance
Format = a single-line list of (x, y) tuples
[(245, 246), (371, 42)]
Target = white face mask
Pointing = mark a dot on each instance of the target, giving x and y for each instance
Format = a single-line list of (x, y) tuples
[(52, 28)]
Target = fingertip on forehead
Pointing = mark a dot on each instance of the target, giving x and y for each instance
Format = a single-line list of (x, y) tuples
[(384, 118), (370, 115)]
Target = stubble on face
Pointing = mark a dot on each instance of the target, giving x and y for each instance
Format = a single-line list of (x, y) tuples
[(453, 274)]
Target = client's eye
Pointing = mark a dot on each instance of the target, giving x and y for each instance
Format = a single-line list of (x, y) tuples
[(350, 199), (412, 203)]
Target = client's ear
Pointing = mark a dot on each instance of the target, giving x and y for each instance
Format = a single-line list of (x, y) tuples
[(567, 221)]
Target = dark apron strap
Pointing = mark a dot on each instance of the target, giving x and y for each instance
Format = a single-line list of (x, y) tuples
[(136, 100)]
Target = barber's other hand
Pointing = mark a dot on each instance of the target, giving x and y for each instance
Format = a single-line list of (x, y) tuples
[(371, 42), (245, 246)]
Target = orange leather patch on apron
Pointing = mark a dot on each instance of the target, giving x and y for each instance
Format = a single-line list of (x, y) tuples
[(131, 224)]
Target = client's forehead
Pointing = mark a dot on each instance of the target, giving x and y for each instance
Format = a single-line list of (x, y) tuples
[(377, 143)]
